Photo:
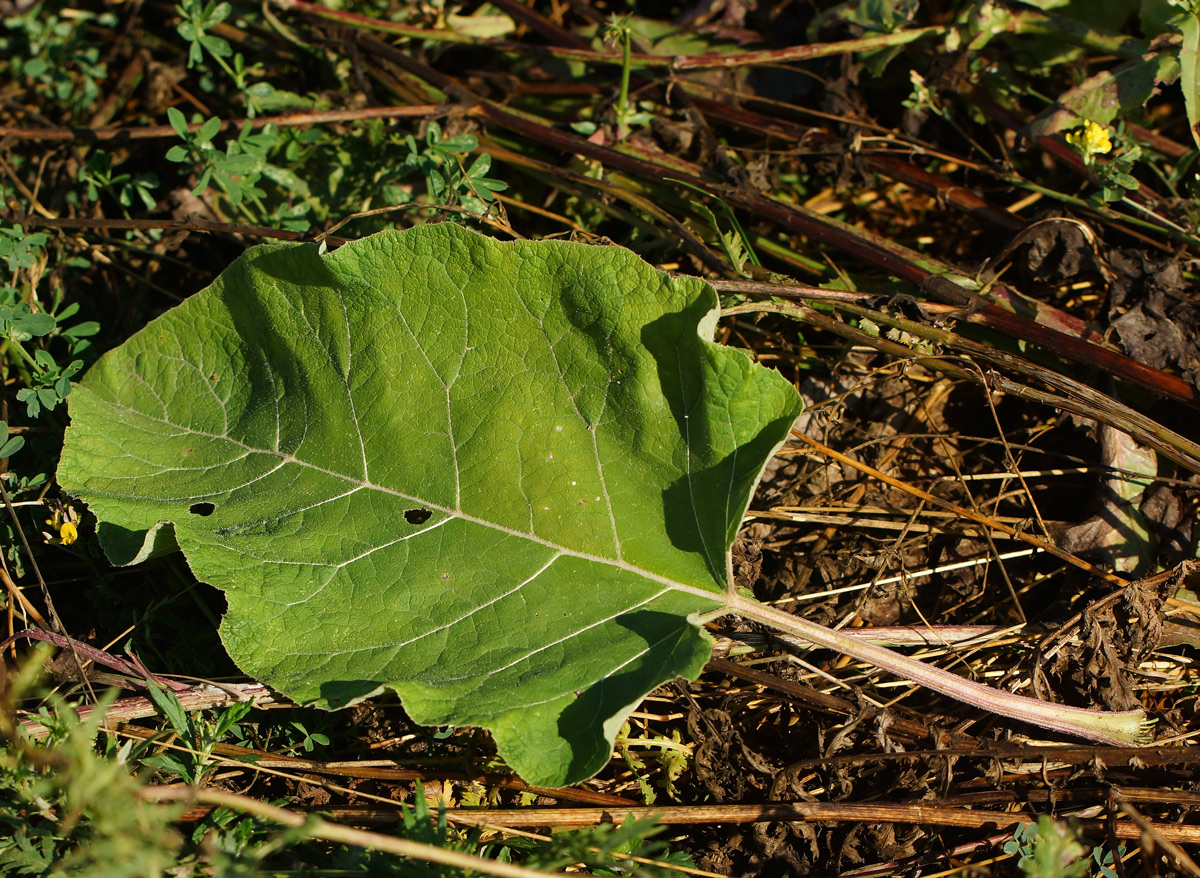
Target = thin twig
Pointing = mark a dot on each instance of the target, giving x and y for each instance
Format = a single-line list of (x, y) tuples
[(1153, 833), (152, 132), (315, 827)]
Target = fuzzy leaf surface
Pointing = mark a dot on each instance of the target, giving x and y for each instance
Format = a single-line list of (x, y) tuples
[(499, 479)]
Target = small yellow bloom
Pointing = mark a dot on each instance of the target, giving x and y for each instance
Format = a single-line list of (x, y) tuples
[(1091, 139), (62, 523)]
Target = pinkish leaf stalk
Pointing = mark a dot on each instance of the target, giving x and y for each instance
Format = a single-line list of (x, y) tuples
[(1108, 727)]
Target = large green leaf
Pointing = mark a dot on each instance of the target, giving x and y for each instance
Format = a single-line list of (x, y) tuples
[(500, 479)]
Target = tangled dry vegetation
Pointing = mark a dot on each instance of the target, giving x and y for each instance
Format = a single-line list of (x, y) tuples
[(991, 316)]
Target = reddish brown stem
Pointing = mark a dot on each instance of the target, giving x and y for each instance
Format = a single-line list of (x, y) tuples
[(886, 255), (137, 671)]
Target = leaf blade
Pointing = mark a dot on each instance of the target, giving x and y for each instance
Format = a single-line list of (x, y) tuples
[(500, 479)]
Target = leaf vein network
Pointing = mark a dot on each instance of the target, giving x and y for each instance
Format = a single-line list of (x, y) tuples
[(687, 469), (362, 445), (447, 386), (591, 429), (437, 507), (577, 632), (497, 599)]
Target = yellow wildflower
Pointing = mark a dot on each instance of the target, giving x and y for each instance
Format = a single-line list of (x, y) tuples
[(63, 525), (1091, 139)]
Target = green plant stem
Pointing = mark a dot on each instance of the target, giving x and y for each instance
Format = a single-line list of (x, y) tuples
[(623, 98), (20, 348), (1183, 233), (732, 217), (1034, 22), (1164, 227), (1117, 728), (228, 70)]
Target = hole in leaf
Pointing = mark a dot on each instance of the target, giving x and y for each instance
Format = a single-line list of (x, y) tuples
[(201, 509), (417, 516)]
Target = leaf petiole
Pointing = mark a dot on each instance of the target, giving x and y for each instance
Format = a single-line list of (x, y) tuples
[(1120, 728)]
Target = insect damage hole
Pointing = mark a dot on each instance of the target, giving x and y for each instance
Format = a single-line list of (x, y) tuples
[(417, 516), (202, 509)]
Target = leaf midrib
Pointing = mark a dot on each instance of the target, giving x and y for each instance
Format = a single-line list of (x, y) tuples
[(619, 564)]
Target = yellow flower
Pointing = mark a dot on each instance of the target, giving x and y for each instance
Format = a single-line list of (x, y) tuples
[(63, 523), (1091, 139)]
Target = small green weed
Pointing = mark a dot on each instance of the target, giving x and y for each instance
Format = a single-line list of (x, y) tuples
[(229, 843), (735, 243), (285, 731), (20, 249), (199, 19), (128, 190), (447, 180), (605, 850), (239, 168), (1054, 849), (620, 32), (670, 755), (47, 378), (200, 734), (54, 54), (67, 808)]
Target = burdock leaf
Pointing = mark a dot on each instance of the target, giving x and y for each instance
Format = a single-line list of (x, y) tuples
[(499, 479)]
